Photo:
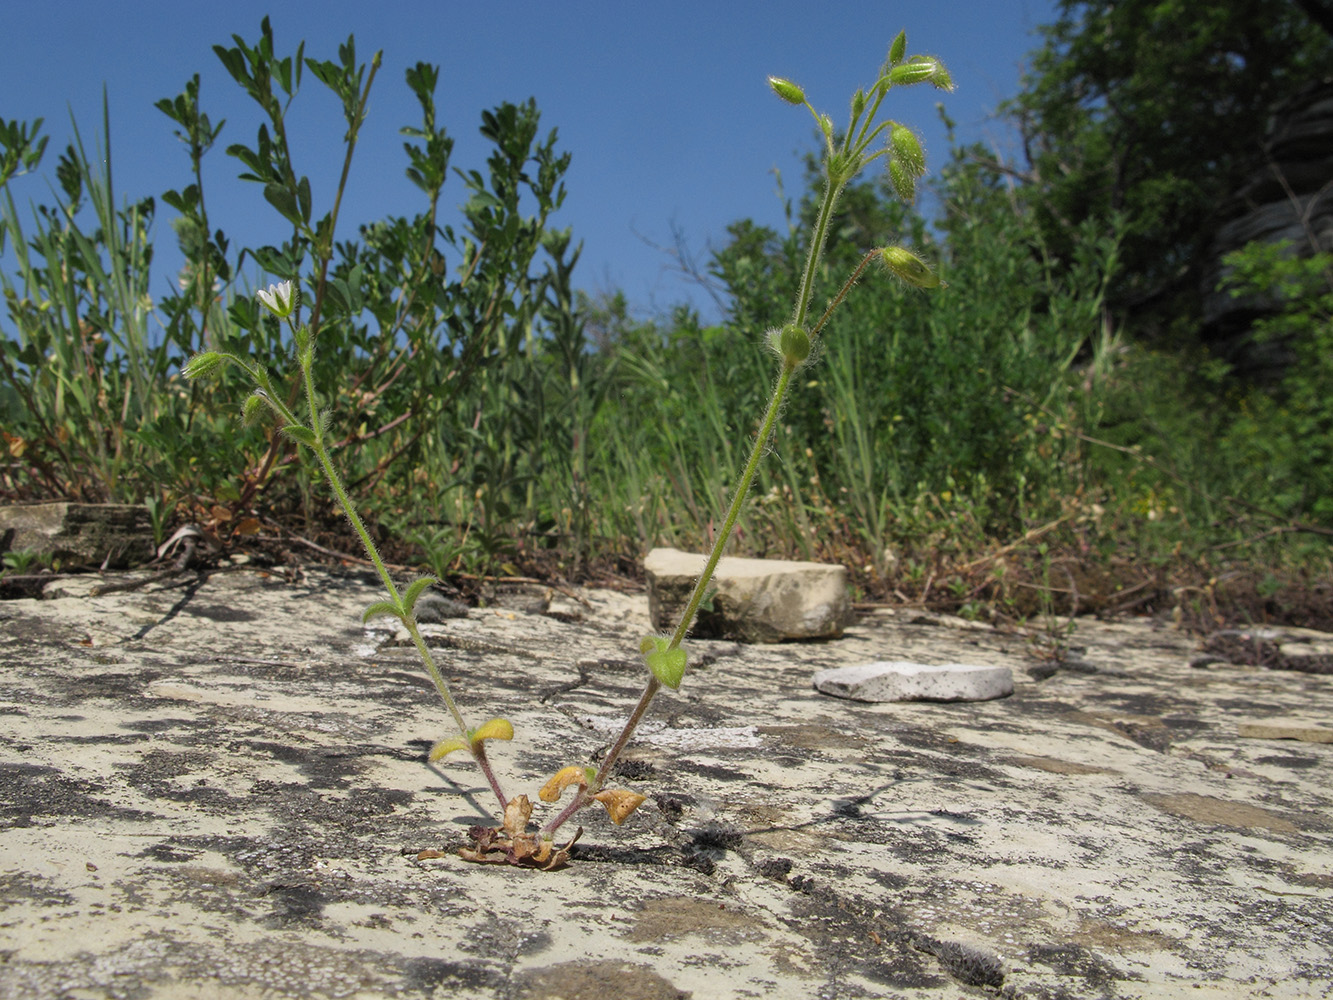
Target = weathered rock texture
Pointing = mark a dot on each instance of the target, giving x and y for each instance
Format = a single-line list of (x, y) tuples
[(754, 600), (84, 534), (220, 790)]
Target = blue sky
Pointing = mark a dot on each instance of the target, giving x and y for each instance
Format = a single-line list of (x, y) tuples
[(664, 106)]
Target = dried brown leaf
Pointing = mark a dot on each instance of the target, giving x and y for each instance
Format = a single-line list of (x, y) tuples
[(619, 803)]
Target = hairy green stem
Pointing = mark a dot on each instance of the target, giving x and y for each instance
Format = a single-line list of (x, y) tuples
[(832, 189), (687, 616), (408, 618)]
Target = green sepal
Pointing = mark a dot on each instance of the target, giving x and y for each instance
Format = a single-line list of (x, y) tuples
[(415, 589), (382, 609), (667, 665)]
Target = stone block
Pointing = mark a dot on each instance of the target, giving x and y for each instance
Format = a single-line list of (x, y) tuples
[(753, 600)]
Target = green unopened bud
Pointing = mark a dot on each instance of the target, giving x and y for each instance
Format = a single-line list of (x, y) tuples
[(787, 90), (898, 49), (918, 70), (941, 80), (252, 407), (904, 184), (203, 365), (858, 103), (793, 344), (908, 267), (906, 149)]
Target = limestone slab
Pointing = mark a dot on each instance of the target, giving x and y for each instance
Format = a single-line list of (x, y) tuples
[(901, 680), (754, 600)]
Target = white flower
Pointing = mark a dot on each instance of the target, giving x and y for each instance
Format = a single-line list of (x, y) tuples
[(279, 299)]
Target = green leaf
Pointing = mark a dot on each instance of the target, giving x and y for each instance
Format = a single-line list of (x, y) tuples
[(382, 609), (284, 201), (302, 435), (415, 590), (667, 665)]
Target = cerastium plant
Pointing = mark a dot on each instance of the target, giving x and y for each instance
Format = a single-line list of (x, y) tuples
[(845, 155)]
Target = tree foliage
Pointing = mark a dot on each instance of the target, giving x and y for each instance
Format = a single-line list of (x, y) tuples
[(1153, 110)]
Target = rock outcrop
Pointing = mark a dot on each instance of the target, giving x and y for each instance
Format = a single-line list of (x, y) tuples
[(221, 788)]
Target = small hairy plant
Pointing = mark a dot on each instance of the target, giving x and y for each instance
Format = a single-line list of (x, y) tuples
[(794, 345)]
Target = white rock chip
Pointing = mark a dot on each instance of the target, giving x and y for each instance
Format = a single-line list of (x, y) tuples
[(755, 600), (901, 680)]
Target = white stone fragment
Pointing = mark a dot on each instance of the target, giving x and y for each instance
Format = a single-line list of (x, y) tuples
[(901, 680), (754, 600)]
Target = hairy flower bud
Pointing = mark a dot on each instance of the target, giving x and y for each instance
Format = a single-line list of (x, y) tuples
[(907, 266), (918, 70), (898, 49), (904, 184), (906, 149), (793, 344), (787, 90), (203, 365)]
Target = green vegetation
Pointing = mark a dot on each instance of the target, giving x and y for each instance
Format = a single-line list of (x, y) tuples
[(1023, 443), (665, 657)]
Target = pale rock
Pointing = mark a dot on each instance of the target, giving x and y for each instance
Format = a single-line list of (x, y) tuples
[(1285, 729), (83, 534), (754, 600), (1296, 650), (901, 680)]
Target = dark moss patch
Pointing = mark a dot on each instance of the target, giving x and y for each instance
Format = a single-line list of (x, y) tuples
[(31, 791)]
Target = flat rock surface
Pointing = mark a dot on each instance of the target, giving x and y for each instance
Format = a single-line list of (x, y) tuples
[(902, 680), (220, 789)]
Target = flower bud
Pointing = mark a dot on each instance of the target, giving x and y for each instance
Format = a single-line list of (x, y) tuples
[(898, 49), (787, 90), (904, 184), (203, 365), (907, 266), (906, 149), (858, 103), (918, 70), (793, 344), (253, 407)]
